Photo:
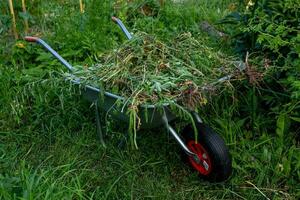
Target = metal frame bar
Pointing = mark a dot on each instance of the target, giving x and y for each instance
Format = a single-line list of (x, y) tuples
[(122, 26), (177, 137), (98, 125), (52, 51)]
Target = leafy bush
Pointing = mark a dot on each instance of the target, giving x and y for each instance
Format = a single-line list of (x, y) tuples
[(270, 31)]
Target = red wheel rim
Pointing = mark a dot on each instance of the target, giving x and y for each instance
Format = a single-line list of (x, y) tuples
[(203, 156)]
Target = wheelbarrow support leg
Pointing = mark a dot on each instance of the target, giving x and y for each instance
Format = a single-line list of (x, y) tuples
[(98, 125)]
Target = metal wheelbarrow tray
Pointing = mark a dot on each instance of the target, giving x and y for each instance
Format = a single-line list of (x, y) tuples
[(209, 155)]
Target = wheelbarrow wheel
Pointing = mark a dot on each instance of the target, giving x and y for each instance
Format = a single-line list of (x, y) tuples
[(214, 162)]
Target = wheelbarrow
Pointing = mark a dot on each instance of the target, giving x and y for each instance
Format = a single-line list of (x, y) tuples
[(208, 154)]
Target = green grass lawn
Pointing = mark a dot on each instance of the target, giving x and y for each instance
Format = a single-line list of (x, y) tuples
[(48, 142)]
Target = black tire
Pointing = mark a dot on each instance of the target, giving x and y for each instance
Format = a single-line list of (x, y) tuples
[(219, 159)]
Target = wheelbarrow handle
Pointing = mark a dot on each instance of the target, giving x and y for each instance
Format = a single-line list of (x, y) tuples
[(31, 39), (52, 51), (122, 26)]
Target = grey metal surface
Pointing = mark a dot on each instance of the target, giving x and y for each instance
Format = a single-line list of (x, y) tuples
[(177, 138), (55, 54), (98, 125), (122, 26), (150, 116)]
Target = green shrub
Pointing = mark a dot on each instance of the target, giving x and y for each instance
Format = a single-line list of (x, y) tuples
[(269, 29)]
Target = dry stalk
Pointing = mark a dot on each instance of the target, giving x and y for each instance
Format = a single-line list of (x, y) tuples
[(14, 26), (25, 20), (81, 6)]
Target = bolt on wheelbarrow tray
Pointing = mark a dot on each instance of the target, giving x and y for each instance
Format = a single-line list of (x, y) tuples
[(208, 155)]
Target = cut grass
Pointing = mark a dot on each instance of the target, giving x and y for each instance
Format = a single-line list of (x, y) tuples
[(49, 148), (146, 70)]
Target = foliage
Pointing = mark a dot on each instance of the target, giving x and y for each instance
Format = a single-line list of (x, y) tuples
[(270, 31), (271, 26)]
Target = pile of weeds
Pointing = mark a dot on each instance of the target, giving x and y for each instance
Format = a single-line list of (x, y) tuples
[(146, 70), (183, 72)]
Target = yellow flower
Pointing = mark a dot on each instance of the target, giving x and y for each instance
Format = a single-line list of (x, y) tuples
[(250, 3), (203, 101), (20, 45)]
